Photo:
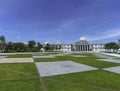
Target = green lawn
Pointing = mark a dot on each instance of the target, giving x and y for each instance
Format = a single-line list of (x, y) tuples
[(85, 81), (18, 77), (90, 60), (97, 80), (20, 56), (46, 53)]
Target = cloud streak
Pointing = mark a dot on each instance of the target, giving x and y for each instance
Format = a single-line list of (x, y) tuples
[(105, 35)]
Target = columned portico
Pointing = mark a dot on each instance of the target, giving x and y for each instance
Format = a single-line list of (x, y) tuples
[(82, 45)]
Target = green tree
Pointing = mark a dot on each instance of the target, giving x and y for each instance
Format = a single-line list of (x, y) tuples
[(19, 47), (2, 39), (47, 47), (9, 47), (31, 44), (2, 43), (111, 45), (39, 46)]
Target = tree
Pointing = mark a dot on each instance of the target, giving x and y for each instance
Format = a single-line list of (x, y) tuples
[(47, 47), (2, 43), (39, 46), (111, 45), (2, 39), (60, 47), (9, 47), (19, 47), (31, 44)]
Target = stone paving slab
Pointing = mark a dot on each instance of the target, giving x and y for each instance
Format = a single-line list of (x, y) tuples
[(113, 69), (61, 67), (111, 60), (43, 57), (16, 60), (111, 54), (77, 55), (12, 53), (103, 56), (2, 57)]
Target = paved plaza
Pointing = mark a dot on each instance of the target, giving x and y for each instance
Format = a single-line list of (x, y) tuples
[(61, 67), (102, 56), (113, 69), (111, 60), (108, 58), (111, 54), (78, 56), (43, 57), (2, 57), (16, 60)]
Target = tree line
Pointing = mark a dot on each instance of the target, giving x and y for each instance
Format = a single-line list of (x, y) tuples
[(112, 45), (33, 46)]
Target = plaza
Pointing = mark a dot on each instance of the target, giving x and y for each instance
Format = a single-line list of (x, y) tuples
[(76, 69), (61, 67)]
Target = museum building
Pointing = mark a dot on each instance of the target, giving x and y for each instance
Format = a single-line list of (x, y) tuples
[(80, 46)]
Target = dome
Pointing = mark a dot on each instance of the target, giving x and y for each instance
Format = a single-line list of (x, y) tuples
[(82, 39)]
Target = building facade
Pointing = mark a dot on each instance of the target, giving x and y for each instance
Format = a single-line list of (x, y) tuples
[(66, 47), (80, 46), (83, 46), (98, 47)]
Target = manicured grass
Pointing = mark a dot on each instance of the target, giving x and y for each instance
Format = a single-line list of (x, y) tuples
[(46, 53), (18, 77), (20, 56), (59, 86), (90, 60), (21, 85), (97, 80)]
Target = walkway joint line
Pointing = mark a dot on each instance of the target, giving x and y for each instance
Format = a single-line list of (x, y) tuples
[(41, 80)]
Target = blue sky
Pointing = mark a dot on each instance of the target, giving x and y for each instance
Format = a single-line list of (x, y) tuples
[(60, 20)]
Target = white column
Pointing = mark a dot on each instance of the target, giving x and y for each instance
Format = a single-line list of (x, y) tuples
[(88, 47), (82, 47)]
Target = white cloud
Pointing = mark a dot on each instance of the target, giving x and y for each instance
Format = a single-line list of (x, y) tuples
[(55, 41), (18, 37), (72, 22), (105, 35)]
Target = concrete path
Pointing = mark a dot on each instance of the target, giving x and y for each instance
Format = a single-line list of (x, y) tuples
[(113, 69), (13, 53), (77, 55), (111, 54), (2, 57), (43, 57), (16, 60), (104, 56), (61, 67), (107, 58), (111, 60)]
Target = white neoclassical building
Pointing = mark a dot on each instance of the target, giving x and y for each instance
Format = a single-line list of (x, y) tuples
[(83, 46), (97, 47), (66, 47), (80, 46)]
